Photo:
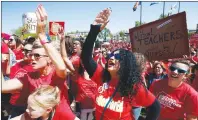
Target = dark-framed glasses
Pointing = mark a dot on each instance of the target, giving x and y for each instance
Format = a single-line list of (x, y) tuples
[(173, 68), (37, 56), (26, 50), (116, 56), (10, 40)]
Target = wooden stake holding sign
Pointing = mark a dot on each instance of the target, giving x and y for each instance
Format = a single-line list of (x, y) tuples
[(162, 39)]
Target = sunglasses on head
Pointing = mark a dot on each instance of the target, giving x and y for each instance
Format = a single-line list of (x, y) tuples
[(116, 56), (36, 55), (173, 68)]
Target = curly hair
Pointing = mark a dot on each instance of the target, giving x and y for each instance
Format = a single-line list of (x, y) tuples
[(130, 73)]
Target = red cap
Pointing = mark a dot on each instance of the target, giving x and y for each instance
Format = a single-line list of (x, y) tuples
[(4, 48), (5, 36)]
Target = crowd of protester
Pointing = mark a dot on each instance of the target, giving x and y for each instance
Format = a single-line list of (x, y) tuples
[(108, 82)]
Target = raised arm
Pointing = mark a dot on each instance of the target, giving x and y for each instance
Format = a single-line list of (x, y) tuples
[(86, 56), (53, 54), (64, 51)]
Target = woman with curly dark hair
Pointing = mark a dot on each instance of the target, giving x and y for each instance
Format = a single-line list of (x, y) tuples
[(120, 85)]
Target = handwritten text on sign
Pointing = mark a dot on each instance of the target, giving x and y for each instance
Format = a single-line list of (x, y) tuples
[(30, 22), (162, 39)]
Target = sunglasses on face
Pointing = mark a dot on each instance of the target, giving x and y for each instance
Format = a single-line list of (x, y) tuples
[(173, 68), (37, 56), (76, 43), (116, 56), (26, 50), (10, 40)]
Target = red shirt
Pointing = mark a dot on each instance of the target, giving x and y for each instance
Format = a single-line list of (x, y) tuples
[(175, 102), (19, 54), (17, 71), (119, 107), (20, 65), (33, 80), (103, 59), (75, 59), (195, 83), (195, 58), (86, 93)]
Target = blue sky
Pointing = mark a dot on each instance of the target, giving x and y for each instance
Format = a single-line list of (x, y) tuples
[(79, 15)]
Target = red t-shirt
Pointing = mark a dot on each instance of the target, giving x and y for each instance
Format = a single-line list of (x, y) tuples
[(119, 107), (75, 59), (86, 93), (195, 83), (33, 80), (195, 58), (17, 71), (20, 65), (175, 102), (19, 54), (103, 59)]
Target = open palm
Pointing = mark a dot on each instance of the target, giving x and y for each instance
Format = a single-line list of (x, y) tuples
[(103, 18)]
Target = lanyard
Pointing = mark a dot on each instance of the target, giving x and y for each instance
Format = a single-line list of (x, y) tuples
[(101, 118)]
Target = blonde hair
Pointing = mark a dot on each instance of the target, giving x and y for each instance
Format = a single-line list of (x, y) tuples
[(49, 96)]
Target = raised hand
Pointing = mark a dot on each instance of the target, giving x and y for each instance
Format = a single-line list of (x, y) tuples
[(41, 22), (61, 33), (103, 18)]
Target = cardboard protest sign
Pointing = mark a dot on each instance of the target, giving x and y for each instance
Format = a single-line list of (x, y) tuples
[(54, 27), (162, 39), (29, 22)]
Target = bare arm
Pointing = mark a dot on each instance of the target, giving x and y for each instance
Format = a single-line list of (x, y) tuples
[(191, 117), (76, 118), (64, 52), (11, 86), (86, 56), (50, 50), (6, 59)]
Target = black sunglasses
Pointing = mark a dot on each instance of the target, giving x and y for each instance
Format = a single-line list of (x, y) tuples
[(173, 68), (26, 51), (116, 56), (36, 55), (10, 40)]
